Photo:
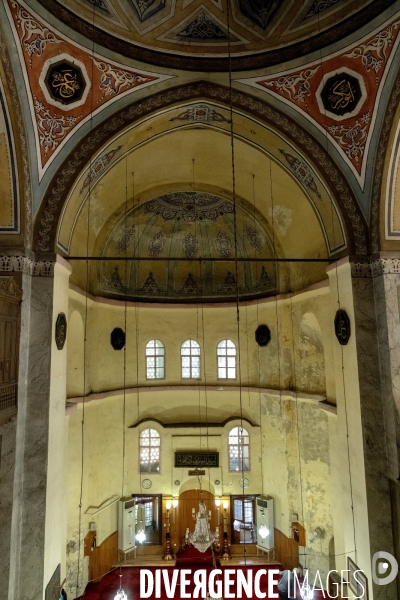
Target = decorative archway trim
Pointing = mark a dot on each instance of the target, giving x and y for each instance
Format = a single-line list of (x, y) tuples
[(194, 424), (47, 218)]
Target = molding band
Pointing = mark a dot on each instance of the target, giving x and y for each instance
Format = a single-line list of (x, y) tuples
[(381, 266), (23, 264)]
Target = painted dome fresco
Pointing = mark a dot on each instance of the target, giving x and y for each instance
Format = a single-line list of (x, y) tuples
[(186, 243), (189, 34)]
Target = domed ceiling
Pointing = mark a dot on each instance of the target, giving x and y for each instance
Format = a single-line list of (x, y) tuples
[(147, 29), (171, 233)]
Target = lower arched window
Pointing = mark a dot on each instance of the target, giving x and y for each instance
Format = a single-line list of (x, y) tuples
[(239, 449), (149, 451)]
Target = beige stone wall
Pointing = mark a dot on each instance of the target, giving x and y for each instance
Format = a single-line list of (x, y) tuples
[(301, 332), (290, 439)]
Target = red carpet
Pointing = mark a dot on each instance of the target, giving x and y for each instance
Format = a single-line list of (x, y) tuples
[(108, 586), (197, 560)]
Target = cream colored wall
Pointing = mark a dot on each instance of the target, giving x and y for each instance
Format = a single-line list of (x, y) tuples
[(290, 440), (55, 490), (294, 359)]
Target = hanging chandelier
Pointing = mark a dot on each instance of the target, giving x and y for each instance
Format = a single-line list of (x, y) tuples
[(120, 595), (202, 537), (263, 529), (140, 536)]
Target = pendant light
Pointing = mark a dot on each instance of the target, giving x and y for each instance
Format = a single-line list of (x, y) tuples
[(120, 595)]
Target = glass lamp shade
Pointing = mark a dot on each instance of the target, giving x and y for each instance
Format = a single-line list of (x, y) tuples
[(140, 536), (202, 537), (263, 531), (175, 502), (120, 595), (307, 593)]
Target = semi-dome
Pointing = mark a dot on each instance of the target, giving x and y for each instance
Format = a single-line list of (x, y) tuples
[(188, 243)]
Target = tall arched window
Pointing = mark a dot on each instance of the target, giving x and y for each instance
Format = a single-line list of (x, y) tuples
[(226, 355), (155, 360), (190, 360), (149, 451), (239, 449)]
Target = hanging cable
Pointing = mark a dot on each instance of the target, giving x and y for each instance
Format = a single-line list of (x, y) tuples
[(327, 146), (240, 436), (85, 333)]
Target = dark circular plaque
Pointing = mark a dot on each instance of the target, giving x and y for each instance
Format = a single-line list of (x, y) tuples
[(117, 338), (341, 94), (65, 82), (263, 335), (342, 327), (61, 331)]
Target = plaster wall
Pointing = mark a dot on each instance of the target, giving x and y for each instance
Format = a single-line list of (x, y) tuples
[(55, 523), (295, 358), (293, 437)]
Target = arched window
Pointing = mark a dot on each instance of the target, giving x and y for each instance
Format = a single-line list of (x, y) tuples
[(226, 355), (155, 360), (239, 449), (149, 451), (190, 360)]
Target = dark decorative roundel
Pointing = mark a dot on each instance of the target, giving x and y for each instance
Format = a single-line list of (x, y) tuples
[(342, 327), (341, 94), (217, 482), (147, 483), (263, 335), (177, 482), (65, 82), (61, 331), (117, 338)]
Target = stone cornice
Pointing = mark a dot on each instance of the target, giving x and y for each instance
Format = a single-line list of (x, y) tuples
[(29, 266), (380, 266)]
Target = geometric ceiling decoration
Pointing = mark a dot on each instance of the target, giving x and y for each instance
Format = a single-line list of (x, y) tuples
[(147, 8), (217, 3), (202, 27), (259, 11), (60, 93), (340, 95), (187, 225), (270, 31)]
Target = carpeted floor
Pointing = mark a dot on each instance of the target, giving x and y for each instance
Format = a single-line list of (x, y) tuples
[(197, 560), (108, 586)]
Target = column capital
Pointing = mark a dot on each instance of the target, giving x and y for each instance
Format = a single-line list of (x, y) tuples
[(369, 267), (30, 266)]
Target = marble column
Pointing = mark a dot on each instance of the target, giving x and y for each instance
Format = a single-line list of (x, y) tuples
[(38, 519), (364, 457)]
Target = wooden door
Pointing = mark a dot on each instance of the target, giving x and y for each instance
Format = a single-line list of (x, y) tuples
[(184, 519)]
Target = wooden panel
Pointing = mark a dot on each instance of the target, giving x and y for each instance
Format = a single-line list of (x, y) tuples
[(182, 518), (103, 557), (286, 550), (299, 534)]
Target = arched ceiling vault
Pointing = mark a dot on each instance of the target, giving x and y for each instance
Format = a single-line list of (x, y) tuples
[(292, 147), (193, 34)]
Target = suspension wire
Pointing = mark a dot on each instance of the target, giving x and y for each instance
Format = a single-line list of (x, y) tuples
[(240, 437), (327, 147), (296, 404), (126, 243), (85, 333)]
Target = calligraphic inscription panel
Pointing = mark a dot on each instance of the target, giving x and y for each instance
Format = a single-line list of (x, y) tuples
[(341, 94), (342, 327), (197, 459), (65, 82)]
